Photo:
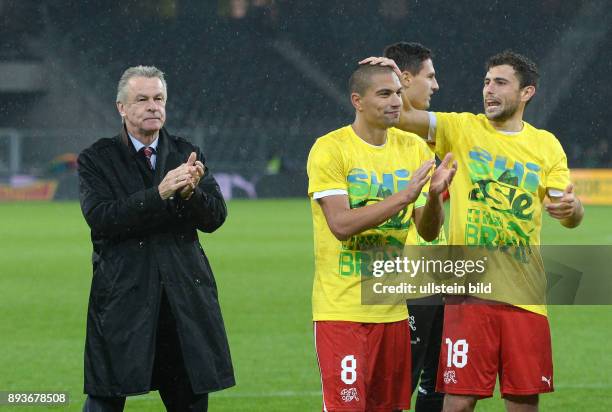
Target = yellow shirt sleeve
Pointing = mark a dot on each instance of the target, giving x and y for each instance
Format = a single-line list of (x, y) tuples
[(559, 176), (325, 168)]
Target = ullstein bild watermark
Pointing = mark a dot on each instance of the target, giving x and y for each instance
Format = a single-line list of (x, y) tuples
[(519, 275), (433, 289)]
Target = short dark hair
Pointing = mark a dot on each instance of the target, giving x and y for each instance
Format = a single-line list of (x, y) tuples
[(526, 70), (408, 56), (361, 78)]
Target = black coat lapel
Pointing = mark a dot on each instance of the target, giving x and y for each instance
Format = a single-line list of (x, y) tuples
[(167, 156), (133, 181)]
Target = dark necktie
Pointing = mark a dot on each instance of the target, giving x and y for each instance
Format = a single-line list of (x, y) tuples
[(148, 152)]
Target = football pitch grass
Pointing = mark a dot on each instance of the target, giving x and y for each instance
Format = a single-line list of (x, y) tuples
[(263, 262)]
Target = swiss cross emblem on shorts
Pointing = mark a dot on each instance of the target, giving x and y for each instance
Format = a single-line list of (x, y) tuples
[(348, 394), (449, 376), (412, 323)]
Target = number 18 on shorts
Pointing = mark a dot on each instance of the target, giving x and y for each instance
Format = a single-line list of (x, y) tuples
[(481, 342)]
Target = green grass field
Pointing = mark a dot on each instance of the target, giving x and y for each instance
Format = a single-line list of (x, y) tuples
[(262, 258)]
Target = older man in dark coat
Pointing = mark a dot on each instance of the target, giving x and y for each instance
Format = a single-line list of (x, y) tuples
[(154, 320)]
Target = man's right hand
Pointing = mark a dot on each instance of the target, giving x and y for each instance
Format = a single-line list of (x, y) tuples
[(176, 179), (382, 61), (419, 179)]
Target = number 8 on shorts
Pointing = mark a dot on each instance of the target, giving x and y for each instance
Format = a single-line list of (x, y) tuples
[(349, 369)]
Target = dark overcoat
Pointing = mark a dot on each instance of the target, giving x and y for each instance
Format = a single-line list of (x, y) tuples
[(142, 244)]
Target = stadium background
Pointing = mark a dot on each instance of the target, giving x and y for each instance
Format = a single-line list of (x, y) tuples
[(254, 83)]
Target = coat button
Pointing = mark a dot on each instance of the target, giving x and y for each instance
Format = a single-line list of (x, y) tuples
[(141, 243), (198, 281)]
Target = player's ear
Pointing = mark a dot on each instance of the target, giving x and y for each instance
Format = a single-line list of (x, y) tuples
[(406, 78), (356, 101), (527, 93)]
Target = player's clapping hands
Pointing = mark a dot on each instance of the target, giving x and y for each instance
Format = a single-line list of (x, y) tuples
[(443, 175), (419, 179)]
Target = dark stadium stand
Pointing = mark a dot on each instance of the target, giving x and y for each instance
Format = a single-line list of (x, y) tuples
[(245, 98)]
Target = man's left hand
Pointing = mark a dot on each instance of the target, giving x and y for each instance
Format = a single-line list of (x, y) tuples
[(443, 176), (565, 206), (196, 169)]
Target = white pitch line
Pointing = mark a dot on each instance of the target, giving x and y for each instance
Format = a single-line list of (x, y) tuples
[(282, 394), (236, 394), (296, 394), (584, 386)]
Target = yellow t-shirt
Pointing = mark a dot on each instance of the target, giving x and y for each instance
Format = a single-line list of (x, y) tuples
[(341, 160), (497, 193)]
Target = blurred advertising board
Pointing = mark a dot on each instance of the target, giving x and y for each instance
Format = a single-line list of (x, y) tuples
[(593, 186)]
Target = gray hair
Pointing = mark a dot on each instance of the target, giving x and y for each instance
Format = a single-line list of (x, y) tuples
[(139, 71)]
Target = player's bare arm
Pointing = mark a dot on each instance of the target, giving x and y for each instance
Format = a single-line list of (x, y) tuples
[(411, 119), (430, 218), (567, 208), (345, 222)]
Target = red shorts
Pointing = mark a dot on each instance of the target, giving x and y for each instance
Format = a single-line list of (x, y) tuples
[(364, 366), (481, 340)]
